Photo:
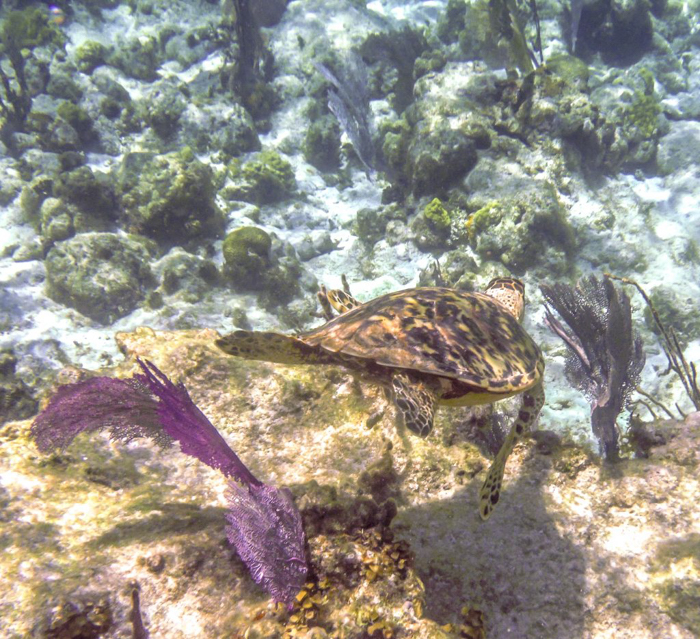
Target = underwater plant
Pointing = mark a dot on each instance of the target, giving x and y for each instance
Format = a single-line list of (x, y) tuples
[(606, 356), (348, 101), (264, 523), (687, 372), (20, 32)]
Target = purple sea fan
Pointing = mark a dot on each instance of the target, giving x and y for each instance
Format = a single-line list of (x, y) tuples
[(266, 530), (264, 523), (125, 407), (181, 419)]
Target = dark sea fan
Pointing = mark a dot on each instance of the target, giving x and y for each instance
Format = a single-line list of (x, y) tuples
[(264, 523), (348, 101), (605, 354)]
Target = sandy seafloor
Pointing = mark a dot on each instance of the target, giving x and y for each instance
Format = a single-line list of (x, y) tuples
[(654, 216)]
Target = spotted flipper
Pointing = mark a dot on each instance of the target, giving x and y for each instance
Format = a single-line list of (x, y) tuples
[(342, 301), (270, 347), (337, 299), (415, 402), (490, 492)]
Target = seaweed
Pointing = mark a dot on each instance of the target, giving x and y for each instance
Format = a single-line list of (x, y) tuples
[(687, 372), (250, 64), (348, 101), (606, 356), (265, 526), (15, 101), (20, 31)]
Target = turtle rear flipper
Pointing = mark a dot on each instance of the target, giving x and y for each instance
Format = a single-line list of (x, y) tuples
[(415, 403), (269, 347), (490, 492), (342, 301)]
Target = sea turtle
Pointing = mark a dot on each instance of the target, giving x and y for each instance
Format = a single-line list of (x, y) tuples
[(428, 346)]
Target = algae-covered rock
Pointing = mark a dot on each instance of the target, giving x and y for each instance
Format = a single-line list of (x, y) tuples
[(431, 228), (322, 145), (228, 129), (188, 276), (169, 198), (249, 264), (247, 254), (32, 196), (29, 28), (90, 55), (437, 215), (78, 118), (102, 275), (371, 224), (162, 111), (138, 58), (569, 68), (92, 193), (314, 244), (56, 220), (62, 137), (266, 179), (61, 85), (17, 401), (519, 230), (393, 54), (396, 137), (439, 156)]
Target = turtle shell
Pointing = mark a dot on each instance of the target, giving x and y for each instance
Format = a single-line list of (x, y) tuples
[(464, 336)]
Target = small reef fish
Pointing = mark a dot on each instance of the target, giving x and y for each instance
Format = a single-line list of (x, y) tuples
[(56, 15)]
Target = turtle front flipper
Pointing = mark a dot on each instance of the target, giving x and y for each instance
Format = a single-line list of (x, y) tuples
[(270, 347), (415, 403), (490, 492)]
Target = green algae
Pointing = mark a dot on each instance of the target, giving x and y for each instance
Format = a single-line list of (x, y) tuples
[(677, 587), (517, 230), (169, 199), (437, 215), (78, 118), (569, 68), (643, 113), (395, 143), (246, 253), (321, 144), (90, 55), (269, 178), (29, 28)]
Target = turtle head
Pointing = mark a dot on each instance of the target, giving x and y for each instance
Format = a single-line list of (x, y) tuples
[(510, 293)]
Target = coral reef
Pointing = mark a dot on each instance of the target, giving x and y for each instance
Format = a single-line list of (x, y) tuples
[(266, 179), (251, 265), (169, 198), (520, 231), (102, 275), (410, 573)]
